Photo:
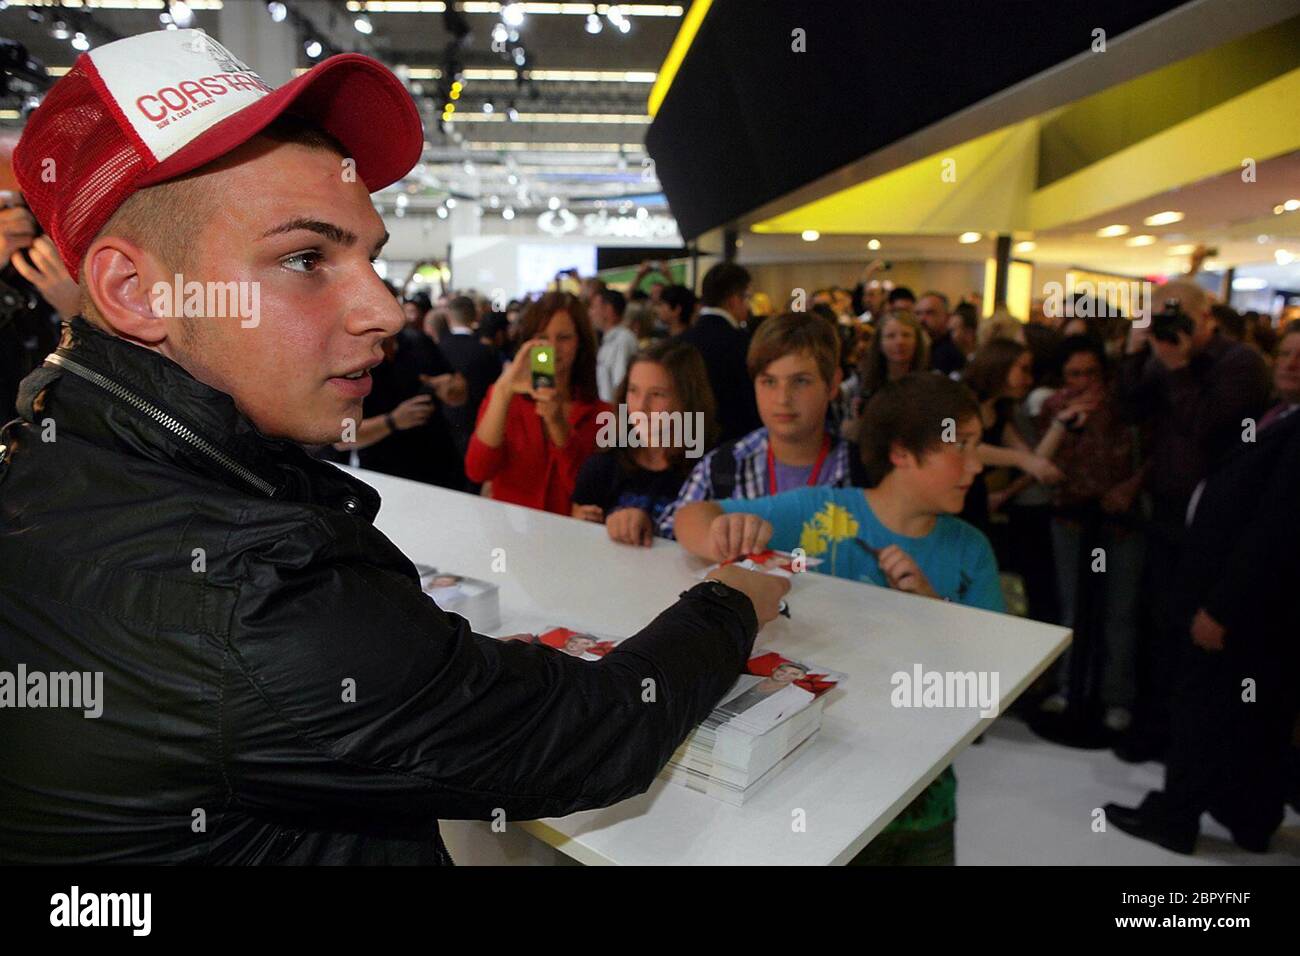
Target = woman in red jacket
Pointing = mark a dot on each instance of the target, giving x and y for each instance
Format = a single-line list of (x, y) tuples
[(530, 443)]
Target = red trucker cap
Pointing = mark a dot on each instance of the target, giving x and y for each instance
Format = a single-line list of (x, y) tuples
[(149, 108)]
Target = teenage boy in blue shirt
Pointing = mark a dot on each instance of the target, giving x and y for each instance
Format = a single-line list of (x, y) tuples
[(919, 441)]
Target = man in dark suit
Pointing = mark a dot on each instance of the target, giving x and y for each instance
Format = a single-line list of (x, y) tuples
[(721, 335), (1233, 699), (473, 359)]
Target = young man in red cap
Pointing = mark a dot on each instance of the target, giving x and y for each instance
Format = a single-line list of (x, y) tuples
[(224, 661)]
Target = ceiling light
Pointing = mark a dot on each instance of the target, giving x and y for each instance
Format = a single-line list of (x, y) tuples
[(553, 203), (873, 244), (1140, 241), (182, 15), (1186, 249), (442, 212), (313, 48), (507, 214), (488, 107), (1283, 258), (593, 23), (811, 235), (79, 42), (59, 30), (513, 14), (1110, 232), (1167, 218), (363, 25), (512, 114), (450, 202), (1249, 284), (968, 237), (1291, 205), (1027, 246), (277, 10)]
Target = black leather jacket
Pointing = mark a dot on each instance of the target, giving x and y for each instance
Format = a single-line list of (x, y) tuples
[(228, 587)]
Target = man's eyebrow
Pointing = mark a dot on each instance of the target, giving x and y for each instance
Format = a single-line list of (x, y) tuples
[(327, 229)]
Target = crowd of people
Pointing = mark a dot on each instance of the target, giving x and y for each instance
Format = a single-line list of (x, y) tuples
[(1079, 455)]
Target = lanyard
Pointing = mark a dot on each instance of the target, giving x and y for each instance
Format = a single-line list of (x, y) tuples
[(816, 469)]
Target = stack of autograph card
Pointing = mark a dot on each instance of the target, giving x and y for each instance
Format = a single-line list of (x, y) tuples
[(770, 712), (476, 601)]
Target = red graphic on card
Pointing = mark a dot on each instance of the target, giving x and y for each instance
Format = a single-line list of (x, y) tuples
[(575, 643), (765, 665)]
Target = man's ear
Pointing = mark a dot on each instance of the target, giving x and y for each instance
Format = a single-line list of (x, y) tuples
[(121, 279), (900, 457)]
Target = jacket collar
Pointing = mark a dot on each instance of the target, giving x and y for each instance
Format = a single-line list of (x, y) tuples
[(98, 412)]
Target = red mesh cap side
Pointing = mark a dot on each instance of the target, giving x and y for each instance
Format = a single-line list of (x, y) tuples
[(75, 164)]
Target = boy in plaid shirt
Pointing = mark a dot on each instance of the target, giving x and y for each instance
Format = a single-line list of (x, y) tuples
[(794, 362)]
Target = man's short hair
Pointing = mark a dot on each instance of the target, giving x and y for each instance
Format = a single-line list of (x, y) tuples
[(791, 334), (968, 315), (901, 292), (947, 309), (614, 299), (679, 297), (914, 412), (463, 310), (722, 282)]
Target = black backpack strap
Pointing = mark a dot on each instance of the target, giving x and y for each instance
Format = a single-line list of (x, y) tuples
[(857, 470), (722, 471)]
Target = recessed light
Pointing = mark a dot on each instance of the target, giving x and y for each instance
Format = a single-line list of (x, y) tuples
[(1186, 249), (1249, 284), (1291, 205), (873, 245), (1140, 241), (1110, 232), (1167, 218), (811, 235), (1026, 246), (1283, 258), (968, 237)]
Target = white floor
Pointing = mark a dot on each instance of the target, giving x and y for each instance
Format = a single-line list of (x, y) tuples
[(1021, 800)]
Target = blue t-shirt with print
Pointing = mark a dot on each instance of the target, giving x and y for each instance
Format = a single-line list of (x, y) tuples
[(827, 523), (955, 557)]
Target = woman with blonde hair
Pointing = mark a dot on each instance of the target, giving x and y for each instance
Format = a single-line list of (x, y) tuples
[(899, 347)]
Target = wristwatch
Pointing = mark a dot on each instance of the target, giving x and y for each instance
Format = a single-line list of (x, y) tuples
[(391, 422)]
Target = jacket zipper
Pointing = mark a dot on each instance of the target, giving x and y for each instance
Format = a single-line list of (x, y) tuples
[(181, 431)]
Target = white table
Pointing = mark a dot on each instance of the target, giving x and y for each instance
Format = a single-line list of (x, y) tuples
[(870, 758)]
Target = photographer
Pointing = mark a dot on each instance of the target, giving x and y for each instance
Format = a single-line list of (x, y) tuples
[(35, 292), (1193, 388)]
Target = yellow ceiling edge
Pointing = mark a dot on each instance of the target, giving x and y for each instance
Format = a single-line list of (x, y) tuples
[(982, 184), (1258, 125), (677, 53)]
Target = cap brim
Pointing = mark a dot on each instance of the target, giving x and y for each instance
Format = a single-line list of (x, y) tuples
[(352, 97)]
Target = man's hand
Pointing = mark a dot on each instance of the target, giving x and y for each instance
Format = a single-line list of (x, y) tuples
[(1207, 633), (450, 387), (47, 274), (413, 412), (594, 513), (763, 590), (736, 534), (630, 526), (902, 572)]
